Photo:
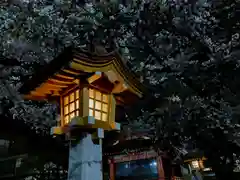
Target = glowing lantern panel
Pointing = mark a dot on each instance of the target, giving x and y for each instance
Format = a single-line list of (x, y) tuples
[(195, 164), (98, 105), (70, 106)]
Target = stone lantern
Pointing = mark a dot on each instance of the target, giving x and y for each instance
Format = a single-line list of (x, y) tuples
[(87, 87)]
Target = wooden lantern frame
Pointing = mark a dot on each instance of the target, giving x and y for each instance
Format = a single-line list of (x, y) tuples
[(81, 108)]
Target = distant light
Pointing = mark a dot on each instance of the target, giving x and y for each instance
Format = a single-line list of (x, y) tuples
[(154, 163), (126, 166), (207, 169), (145, 137)]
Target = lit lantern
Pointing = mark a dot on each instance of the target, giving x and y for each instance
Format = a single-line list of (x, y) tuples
[(88, 88), (195, 164)]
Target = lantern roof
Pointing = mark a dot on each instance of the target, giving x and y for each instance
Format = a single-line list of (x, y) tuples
[(105, 72)]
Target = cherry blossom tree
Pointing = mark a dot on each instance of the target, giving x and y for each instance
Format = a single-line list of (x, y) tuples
[(185, 53)]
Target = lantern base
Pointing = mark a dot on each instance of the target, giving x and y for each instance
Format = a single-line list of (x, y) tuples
[(87, 122)]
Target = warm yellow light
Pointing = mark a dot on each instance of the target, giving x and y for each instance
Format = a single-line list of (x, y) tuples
[(98, 105), (97, 114), (66, 119), (91, 112), (195, 164), (66, 100), (98, 96), (91, 103), (104, 116), (105, 98), (104, 107), (66, 109), (72, 97), (91, 93), (70, 106), (72, 115)]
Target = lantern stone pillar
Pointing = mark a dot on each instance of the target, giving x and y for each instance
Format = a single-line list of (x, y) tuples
[(85, 147), (85, 159)]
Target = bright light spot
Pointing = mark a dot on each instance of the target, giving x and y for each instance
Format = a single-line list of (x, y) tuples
[(154, 163), (115, 143), (195, 164), (145, 137), (207, 169)]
